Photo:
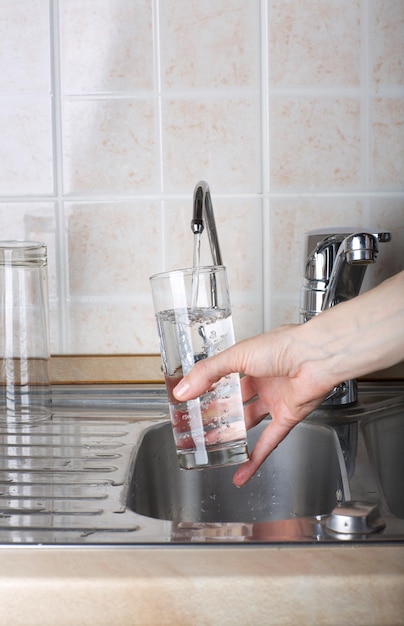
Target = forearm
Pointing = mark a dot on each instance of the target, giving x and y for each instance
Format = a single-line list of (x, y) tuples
[(356, 337)]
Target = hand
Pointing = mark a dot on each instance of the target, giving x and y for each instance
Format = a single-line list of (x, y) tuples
[(291, 370), (270, 385)]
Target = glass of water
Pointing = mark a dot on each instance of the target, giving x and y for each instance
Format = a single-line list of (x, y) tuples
[(194, 322)]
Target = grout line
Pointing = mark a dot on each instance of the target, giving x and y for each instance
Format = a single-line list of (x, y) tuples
[(219, 93), (58, 175), (157, 75), (265, 126), (158, 83), (265, 169), (91, 197), (365, 96)]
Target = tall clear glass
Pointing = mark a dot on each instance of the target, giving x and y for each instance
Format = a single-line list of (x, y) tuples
[(194, 322), (25, 391)]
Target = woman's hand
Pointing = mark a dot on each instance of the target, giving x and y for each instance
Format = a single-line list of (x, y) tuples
[(273, 383), (288, 372)]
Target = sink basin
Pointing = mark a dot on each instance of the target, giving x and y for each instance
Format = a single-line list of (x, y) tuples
[(304, 476), (385, 441)]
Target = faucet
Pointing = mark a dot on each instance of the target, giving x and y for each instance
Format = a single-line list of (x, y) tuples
[(335, 263), (203, 212)]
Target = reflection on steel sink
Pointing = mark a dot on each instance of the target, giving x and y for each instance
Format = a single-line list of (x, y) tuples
[(350, 456), (304, 476), (385, 441)]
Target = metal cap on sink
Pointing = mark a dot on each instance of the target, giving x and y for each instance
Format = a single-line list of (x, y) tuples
[(355, 518)]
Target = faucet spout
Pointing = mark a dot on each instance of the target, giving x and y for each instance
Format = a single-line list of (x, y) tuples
[(203, 215), (335, 263), (355, 253)]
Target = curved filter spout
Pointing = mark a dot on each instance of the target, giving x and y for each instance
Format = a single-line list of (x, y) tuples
[(203, 216)]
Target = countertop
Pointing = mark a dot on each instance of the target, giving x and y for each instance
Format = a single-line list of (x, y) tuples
[(202, 586)]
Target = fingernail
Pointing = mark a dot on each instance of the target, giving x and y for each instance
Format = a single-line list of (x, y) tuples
[(181, 389)]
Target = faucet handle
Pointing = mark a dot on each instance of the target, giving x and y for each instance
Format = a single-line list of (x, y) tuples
[(384, 236)]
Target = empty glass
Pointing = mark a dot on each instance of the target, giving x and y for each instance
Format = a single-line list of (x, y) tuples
[(25, 392)]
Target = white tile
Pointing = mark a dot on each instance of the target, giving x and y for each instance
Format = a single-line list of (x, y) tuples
[(207, 45), (387, 151), (213, 139), (26, 146), (387, 42), (315, 143), (106, 46), (112, 327), (113, 248), (314, 43), (110, 146), (25, 60)]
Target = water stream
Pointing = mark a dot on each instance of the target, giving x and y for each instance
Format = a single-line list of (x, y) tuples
[(195, 274)]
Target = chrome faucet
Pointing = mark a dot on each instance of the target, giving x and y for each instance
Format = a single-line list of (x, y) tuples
[(335, 262), (203, 212)]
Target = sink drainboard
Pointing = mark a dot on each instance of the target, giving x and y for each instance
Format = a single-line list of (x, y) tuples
[(66, 478)]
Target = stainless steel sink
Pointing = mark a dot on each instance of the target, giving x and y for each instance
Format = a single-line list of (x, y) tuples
[(304, 476), (103, 471), (384, 436)]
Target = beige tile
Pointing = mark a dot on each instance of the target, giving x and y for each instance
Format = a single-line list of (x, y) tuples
[(214, 139), (387, 164), (26, 146), (387, 42), (25, 49), (113, 248), (205, 45), (110, 145), (315, 143), (107, 46), (314, 43)]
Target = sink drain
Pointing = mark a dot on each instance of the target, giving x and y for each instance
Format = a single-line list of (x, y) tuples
[(355, 517)]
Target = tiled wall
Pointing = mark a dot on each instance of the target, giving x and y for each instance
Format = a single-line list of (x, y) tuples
[(112, 110)]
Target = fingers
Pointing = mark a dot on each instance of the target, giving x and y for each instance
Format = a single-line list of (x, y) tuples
[(204, 374), (273, 434)]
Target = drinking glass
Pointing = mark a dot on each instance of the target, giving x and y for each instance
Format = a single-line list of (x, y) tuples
[(194, 322), (25, 392)]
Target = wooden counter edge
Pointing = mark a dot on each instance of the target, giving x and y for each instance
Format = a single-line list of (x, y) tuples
[(142, 368)]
